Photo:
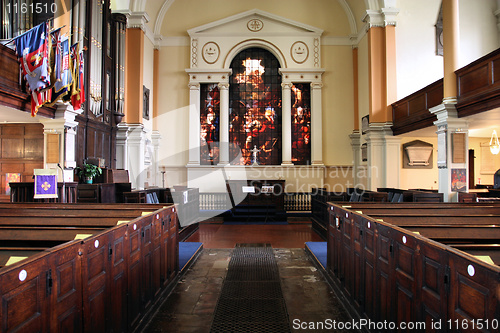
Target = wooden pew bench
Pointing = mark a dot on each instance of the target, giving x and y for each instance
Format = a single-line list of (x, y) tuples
[(386, 272), (110, 280)]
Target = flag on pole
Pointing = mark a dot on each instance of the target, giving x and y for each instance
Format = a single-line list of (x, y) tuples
[(32, 53), (62, 70), (77, 88), (45, 183)]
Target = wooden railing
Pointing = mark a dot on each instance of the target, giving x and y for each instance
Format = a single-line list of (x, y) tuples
[(220, 201)]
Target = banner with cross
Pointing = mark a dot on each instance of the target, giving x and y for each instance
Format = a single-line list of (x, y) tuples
[(45, 183)]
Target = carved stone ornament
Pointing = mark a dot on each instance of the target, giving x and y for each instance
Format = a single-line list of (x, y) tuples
[(299, 52), (210, 52), (255, 25)]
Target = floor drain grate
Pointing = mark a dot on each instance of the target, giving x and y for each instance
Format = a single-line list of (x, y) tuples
[(251, 299)]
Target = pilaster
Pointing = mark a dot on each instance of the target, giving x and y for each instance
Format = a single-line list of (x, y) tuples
[(316, 124), (130, 152), (383, 156), (224, 123), (286, 129), (356, 155), (447, 124), (156, 139), (194, 124), (63, 125)]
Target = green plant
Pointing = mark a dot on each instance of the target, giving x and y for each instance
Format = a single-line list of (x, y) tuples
[(89, 171)]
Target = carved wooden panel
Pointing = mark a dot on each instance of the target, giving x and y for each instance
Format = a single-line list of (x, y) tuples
[(479, 85), (26, 282), (412, 112), (66, 297), (369, 262), (118, 264), (384, 273), (432, 284), (95, 279), (472, 290), (405, 285)]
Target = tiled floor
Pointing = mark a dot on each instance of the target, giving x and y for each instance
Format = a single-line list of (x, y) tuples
[(190, 306)]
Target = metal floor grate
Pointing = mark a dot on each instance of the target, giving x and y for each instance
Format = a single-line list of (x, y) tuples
[(251, 299)]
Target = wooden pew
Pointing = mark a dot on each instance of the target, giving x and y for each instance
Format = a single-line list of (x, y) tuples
[(385, 272), (109, 281)]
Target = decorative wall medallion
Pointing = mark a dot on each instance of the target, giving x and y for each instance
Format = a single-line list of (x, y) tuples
[(299, 52), (210, 52), (255, 25)]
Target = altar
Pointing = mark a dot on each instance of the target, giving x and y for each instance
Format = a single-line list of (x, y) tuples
[(259, 201)]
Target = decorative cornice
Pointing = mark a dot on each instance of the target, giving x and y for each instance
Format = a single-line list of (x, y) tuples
[(381, 18)]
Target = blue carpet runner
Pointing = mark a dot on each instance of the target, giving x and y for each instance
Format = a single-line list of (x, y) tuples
[(318, 250), (187, 251)]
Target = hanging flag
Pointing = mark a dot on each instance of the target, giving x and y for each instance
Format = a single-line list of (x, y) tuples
[(77, 90), (32, 53), (62, 70), (45, 183)]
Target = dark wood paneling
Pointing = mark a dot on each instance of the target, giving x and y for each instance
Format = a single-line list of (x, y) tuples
[(412, 112), (479, 85), (24, 302)]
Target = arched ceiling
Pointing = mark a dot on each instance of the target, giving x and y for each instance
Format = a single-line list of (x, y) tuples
[(354, 10)]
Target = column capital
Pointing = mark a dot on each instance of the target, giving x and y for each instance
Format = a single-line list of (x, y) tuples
[(355, 137), (286, 85), (194, 85), (316, 85), (223, 85), (137, 20)]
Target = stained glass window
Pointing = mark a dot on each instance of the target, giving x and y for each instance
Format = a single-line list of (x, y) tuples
[(255, 108), (301, 124), (209, 121)]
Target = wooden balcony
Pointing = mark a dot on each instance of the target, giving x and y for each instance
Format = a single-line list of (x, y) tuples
[(478, 85), (12, 94), (412, 112)]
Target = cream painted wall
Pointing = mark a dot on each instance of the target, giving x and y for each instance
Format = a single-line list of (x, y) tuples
[(173, 98), (417, 63), (338, 113), (419, 178), (324, 14), (478, 29), (148, 82), (475, 143)]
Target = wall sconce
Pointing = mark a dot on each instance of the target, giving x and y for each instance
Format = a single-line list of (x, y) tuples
[(494, 144)]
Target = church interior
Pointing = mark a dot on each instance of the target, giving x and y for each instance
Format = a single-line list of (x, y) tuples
[(249, 166)]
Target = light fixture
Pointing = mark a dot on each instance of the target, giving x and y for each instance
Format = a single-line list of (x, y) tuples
[(494, 144)]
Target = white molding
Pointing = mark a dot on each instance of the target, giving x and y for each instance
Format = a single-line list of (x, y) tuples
[(253, 12), (172, 41), (161, 16), (350, 16)]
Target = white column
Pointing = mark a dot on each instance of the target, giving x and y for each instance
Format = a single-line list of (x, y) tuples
[(194, 124), (63, 125), (383, 157), (356, 155), (155, 139), (316, 124), (392, 161), (136, 140), (286, 128), (448, 123), (121, 146), (224, 124)]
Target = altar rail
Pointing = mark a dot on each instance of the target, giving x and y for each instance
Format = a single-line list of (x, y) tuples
[(219, 201)]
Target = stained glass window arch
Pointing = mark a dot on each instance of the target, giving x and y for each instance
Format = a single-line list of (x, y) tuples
[(255, 108)]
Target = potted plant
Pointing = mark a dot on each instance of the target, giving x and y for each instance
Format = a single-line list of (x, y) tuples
[(88, 172)]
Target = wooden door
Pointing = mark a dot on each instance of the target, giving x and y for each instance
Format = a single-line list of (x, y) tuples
[(369, 263), (383, 277)]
